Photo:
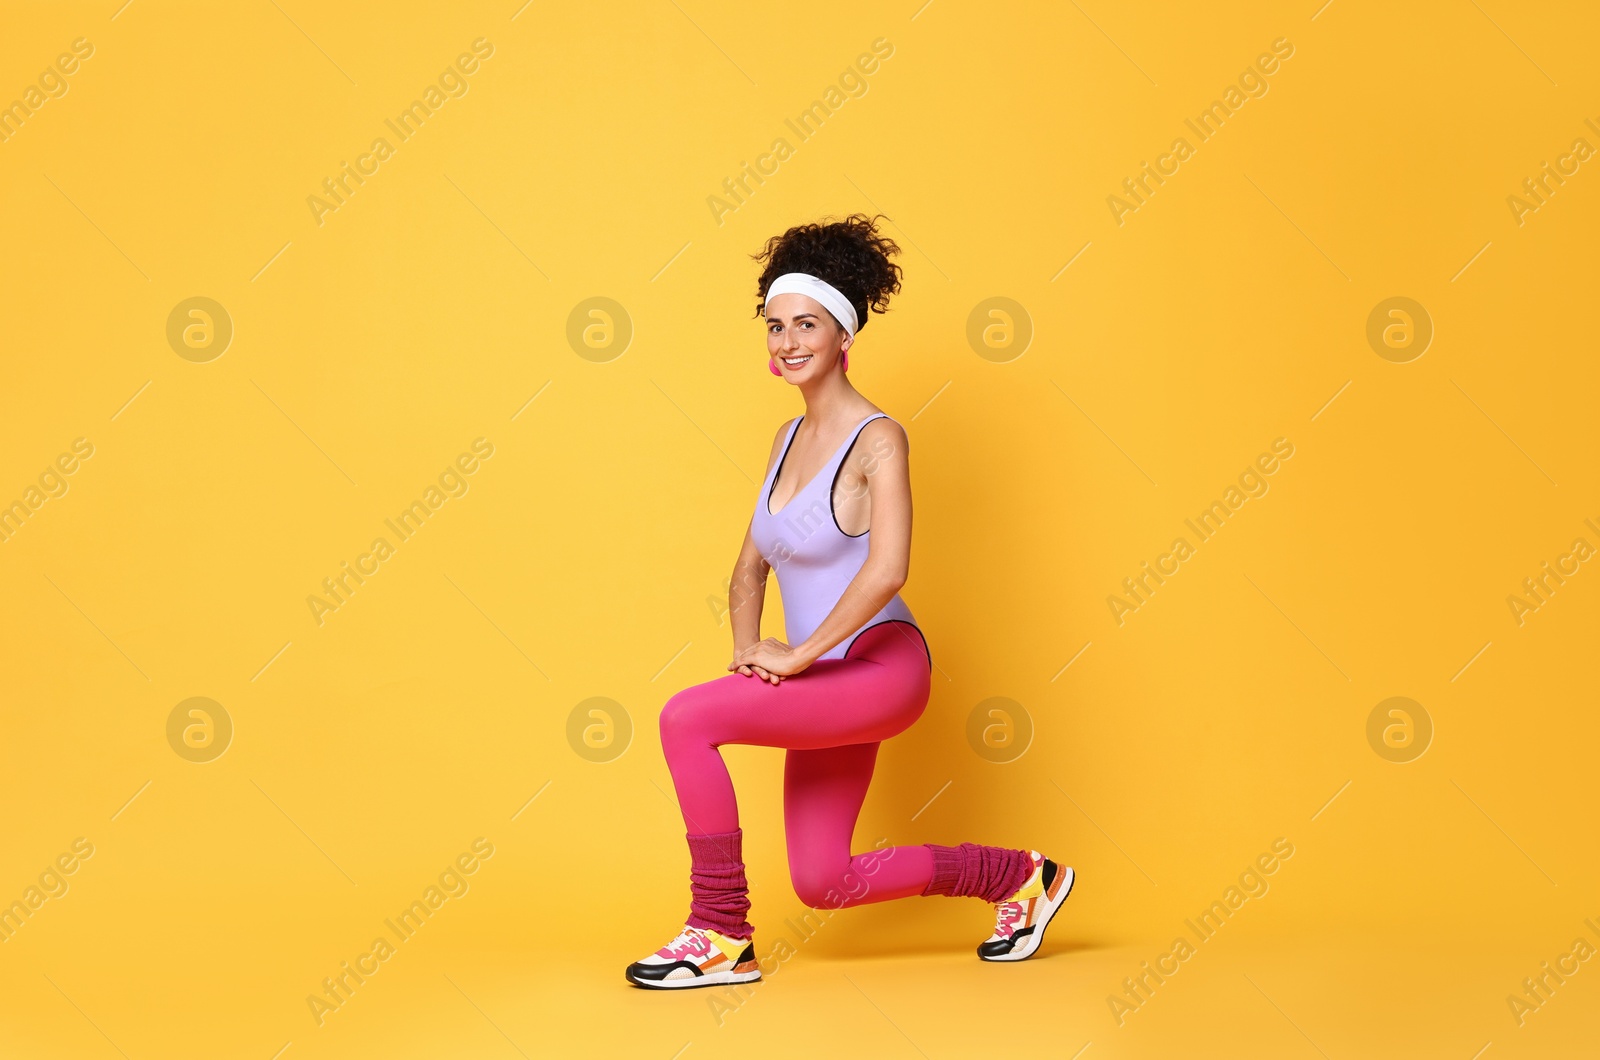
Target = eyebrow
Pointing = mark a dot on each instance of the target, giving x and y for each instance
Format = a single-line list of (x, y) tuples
[(797, 316)]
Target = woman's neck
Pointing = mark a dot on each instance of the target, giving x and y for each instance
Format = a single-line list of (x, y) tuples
[(831, 400)]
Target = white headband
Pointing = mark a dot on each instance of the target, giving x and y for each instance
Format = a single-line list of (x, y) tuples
[(832, 299)]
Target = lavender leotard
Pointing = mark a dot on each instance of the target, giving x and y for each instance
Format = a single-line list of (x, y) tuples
[(815, 560)]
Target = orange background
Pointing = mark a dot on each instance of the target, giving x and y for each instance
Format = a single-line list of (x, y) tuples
[(584, 558)]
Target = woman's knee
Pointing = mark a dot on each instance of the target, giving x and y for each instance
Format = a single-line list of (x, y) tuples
[(674, 713), (818, 890), (826, 887), (681, 713)]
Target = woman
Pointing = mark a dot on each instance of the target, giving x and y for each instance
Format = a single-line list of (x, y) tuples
[(833, 518)]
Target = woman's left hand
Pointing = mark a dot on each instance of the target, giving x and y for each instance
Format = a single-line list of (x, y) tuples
[(773, 656)]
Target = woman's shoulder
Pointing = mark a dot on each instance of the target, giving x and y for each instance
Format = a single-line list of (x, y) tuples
[(880, 439), (882, 425)]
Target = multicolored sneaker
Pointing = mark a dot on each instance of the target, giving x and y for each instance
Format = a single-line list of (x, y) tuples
[(1021, 919), (697, 957)]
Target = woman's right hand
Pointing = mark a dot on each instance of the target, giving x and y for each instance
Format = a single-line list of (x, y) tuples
[(752, 671)]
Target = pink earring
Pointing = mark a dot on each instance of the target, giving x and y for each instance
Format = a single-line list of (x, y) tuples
[(844, 360), (772, 366)]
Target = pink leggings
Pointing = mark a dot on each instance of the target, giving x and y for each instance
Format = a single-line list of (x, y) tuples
[(831, 718)]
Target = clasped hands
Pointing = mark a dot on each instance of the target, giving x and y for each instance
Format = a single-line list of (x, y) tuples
[(770, 659)]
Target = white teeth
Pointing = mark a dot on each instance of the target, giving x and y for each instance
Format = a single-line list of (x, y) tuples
[(796, 362)]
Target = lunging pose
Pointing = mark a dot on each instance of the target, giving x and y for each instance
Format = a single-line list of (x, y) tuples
[(833, 519)]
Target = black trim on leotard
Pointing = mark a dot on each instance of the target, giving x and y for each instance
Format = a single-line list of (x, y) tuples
[(925, 649), (836, 472), (776, 471)]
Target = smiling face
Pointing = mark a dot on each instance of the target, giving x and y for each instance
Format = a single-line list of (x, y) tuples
[(802, 337)]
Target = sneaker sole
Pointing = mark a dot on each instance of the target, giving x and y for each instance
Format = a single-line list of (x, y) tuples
[(729, 977), (1035, 938)]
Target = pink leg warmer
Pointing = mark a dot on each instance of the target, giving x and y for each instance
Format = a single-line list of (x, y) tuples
[(972, 870), (719, 892)]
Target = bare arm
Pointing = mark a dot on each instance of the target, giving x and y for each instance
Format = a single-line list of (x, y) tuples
[(747, 594), (888, 473), (747, 590)]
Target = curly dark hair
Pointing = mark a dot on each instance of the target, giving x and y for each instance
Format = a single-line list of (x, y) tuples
[(850, 254)]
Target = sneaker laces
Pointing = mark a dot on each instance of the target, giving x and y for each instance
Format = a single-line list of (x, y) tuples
[(691, 942), (1006, 918)]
